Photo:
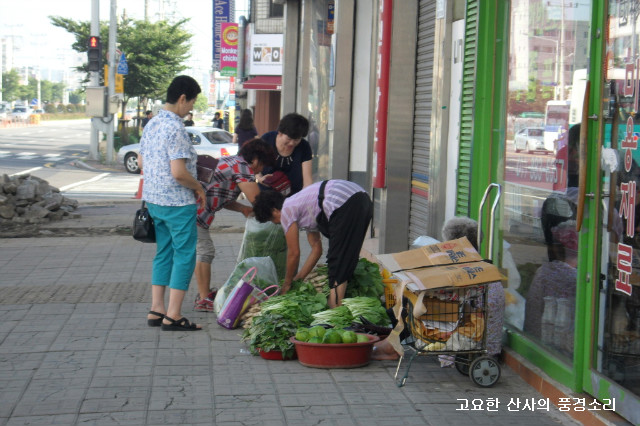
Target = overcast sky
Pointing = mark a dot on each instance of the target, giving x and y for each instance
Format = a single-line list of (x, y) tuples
[(39, 42)]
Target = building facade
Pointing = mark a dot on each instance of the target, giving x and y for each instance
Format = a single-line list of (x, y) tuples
[(567, 211), (527, 105)]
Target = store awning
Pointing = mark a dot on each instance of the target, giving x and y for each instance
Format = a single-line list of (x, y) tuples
[(263, 82)]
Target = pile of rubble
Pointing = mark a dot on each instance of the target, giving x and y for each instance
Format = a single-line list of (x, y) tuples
[(27, 199)]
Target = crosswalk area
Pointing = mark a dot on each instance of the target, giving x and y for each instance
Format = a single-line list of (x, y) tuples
[(31, 156)]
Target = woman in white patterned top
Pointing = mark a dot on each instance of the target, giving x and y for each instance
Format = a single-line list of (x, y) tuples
[(171, 192)]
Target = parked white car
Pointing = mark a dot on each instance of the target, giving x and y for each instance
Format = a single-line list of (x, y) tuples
[(530, 139), (20, 113), (206, 140)]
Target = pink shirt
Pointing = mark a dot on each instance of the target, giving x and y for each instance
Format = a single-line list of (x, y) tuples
[(303, 208)]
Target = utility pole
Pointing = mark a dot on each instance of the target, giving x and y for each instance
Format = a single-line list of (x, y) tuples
[(39, 88), (113, 25), (94, 80)]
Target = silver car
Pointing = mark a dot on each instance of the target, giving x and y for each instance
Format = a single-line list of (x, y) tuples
[(206, 140), (530, 139), (20, 113)]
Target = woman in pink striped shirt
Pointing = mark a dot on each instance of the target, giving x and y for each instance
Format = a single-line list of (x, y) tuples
[(339, 209)]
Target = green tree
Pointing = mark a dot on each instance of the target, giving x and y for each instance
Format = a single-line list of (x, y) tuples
[(12, 90), (57, 92), (49, 91), (77, 96), (201, 103), (155, 52)]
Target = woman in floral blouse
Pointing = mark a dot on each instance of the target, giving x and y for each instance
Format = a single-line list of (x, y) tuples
[(171, 192)]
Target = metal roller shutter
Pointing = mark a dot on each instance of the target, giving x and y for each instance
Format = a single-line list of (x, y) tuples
[(419, 214)]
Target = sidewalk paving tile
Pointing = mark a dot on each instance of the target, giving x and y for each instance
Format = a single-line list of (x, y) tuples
[(75, 349)]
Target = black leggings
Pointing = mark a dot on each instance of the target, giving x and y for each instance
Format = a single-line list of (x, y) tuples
[(347, 229)]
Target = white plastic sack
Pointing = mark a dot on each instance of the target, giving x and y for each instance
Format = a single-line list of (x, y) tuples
[(265, 276), (422, 241)]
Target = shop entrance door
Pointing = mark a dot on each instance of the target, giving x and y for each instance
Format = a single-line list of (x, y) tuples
[(616, 367), (549, 53)]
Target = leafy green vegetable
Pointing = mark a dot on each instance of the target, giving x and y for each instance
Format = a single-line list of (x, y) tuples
[(281, 316), (366, 280), (295, 306), (270, 331), (369, 307), (339, 317), (303, 287)]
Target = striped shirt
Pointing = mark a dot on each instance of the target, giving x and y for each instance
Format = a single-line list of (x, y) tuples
[(303, 208), (224, 188)]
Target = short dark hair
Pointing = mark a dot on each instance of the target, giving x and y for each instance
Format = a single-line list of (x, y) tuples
[(258, 148), (264, 204), (148, 112), (294, 125), (216, 114), (182, 85)]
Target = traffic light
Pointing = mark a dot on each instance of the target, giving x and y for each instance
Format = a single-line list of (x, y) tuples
[(94, 53)]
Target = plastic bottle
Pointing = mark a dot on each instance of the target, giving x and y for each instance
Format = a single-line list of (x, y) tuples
[(548, 320)]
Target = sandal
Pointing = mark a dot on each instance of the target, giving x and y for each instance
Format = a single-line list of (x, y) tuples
[(182, 324), (156, 322)]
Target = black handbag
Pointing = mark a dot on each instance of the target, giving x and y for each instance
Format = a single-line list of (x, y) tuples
[(143, 228)]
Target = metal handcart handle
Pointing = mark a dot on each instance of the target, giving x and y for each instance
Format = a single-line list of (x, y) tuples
[(492, 218)]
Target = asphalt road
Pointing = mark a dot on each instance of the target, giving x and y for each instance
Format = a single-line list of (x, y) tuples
[(56, 152)]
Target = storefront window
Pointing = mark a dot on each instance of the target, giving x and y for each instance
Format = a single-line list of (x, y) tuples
[(619, 340), (548, 63), (317, 103)]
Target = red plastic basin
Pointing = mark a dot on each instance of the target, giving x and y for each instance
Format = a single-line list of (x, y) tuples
[(335, 355), (275, 355)]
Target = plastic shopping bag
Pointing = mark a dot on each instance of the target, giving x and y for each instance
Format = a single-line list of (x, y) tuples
[(265, 239), (265, 276), (243, 295)]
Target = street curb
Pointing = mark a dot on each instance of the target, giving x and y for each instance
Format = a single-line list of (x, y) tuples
[(81, 164)]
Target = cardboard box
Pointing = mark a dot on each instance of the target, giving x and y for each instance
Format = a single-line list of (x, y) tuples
[(452, 263), (446, 253)]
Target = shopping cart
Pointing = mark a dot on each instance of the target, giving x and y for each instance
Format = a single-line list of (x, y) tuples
[(455, 324), (454, 321)]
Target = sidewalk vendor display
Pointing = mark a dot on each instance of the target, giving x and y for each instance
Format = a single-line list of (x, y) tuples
[(300, 322), (445, 287), (281, 316)]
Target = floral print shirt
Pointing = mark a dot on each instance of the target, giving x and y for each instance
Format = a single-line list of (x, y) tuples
[(164, 139)]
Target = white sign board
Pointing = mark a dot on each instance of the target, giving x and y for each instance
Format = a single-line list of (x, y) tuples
[(265, 54)]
